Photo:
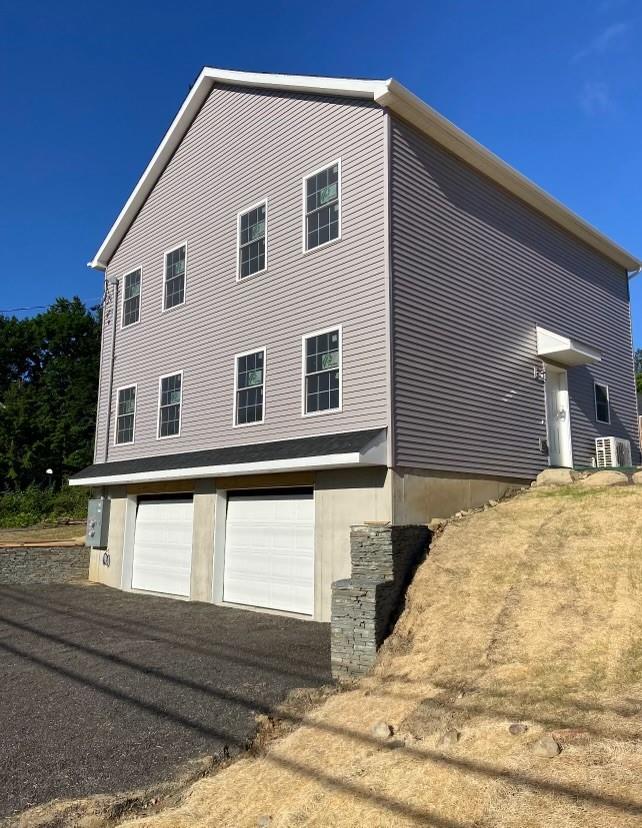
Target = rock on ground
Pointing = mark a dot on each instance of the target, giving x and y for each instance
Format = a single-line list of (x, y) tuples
[(606, 478), (555, 477), (546, 748)]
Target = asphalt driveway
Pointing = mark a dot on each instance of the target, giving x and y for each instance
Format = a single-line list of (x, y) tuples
[(104, 691)]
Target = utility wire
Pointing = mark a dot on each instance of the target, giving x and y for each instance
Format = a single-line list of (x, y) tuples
[(44, 307)]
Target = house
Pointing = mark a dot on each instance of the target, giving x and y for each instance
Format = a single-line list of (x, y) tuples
[(327, 305)]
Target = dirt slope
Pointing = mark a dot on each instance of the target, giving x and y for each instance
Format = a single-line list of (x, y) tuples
[(529, 612)]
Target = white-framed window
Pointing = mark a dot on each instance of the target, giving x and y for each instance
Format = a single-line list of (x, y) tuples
[(170, 400), (322, 206), (132, 284), (252, 240), (602, 406), (125, 415), (249, 387), (175, 269), (322, 371)]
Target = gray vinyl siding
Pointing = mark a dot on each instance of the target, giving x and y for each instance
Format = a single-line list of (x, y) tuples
[(474, 270), (245, 146)]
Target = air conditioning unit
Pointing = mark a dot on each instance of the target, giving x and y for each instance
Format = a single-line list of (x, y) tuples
[(612, 452)]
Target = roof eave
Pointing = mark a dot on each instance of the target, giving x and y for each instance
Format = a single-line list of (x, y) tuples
[(390, 94), (412, 109)]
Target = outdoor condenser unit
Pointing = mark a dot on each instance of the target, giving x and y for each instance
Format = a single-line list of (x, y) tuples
[(611, 452), (97, 522)]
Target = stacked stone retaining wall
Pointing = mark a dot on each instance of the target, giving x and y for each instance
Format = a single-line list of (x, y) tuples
[(366, 606), (43, 565)]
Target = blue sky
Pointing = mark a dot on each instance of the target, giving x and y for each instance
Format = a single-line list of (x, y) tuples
[(88, 90)]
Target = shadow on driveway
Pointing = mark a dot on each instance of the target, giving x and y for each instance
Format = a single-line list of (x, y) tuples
[(106, 691)]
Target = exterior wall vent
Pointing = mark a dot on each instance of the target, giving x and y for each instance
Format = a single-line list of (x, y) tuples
[(612, 452)]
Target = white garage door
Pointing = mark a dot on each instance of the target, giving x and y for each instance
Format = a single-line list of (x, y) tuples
[(269, 551), (163, 546)]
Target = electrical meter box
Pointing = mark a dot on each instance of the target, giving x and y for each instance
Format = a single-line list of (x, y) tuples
[(97, 522)]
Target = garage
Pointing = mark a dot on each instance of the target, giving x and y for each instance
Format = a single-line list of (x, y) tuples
[(163, 545), (269, 550)]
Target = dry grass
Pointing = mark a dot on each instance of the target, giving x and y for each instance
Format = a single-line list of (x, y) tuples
[(42, 534), (531, 612)]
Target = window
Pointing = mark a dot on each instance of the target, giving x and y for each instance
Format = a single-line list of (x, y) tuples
[(252, 240), (169, 405), (125, 415), (322, 372), (322, 194), (131, 297), (249, 383), (175, 262), (602, 412)]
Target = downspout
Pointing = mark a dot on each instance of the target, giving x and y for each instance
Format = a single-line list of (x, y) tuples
[(111, 280)]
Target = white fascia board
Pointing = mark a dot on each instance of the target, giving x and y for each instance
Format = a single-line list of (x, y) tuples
[(388, 93), (327, 461), (564, 350), (411, 108)]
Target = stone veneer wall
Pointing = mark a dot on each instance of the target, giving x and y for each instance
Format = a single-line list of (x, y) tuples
[(43, 565), (366, 606)]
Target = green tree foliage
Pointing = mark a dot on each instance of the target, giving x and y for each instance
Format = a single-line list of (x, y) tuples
[(48, 388), (638, 369)]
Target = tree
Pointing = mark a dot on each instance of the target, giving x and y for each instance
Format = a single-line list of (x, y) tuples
[(48, 388), (637, 360)]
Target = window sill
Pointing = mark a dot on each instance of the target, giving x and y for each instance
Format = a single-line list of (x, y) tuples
[(321, 246)]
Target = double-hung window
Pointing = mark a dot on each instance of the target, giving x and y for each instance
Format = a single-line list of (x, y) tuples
[(322, 206), (602, 410), (252, 240), (249, 384), (125, 415), (322, 372), (170, 397), (174, 281), (131, 297)]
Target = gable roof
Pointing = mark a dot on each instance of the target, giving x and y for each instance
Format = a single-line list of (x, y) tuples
[(387, 93)]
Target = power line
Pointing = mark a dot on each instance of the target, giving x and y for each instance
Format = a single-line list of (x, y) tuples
[(44, 307)]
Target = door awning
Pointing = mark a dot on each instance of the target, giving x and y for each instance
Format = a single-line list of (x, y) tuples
[(564, 350)]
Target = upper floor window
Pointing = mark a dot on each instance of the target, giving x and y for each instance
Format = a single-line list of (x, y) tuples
[(322, 206), (175, 266), (131, 297), (249, 383), (602, 410), (125, 415), (322, 372), (252, 252), (170, 397)]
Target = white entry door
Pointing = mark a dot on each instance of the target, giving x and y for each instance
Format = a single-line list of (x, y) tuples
[(163, 546), (269, 551), (558, 418)]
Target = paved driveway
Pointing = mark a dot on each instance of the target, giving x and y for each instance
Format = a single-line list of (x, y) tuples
[(104, 691)]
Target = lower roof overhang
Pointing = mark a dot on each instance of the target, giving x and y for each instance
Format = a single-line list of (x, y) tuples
[(564, 350), (327, 451)]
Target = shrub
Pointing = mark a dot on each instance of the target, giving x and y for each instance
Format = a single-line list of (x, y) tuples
[(34, 505)]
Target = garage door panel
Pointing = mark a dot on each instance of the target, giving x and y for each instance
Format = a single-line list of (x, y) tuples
[(163, 547), (269, 552)]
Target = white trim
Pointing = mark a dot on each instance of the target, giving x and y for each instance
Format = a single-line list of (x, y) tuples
[(608, 401), (304, 241), (133, 385), (387, 93), (304, 338), (241, 213), (158, 407), (165, 255), (326, 461), (236, 359), (124, 327)]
